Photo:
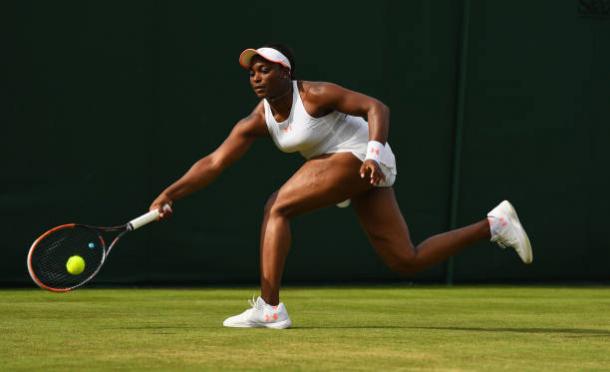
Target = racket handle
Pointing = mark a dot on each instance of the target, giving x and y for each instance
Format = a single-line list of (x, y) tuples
[(145, 219)]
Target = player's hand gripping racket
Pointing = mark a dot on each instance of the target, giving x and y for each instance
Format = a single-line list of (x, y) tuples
[(70, 255)]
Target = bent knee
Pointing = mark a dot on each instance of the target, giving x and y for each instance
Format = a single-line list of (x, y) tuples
[(398, 254), (270, 202), (405, 265), (277, 207)]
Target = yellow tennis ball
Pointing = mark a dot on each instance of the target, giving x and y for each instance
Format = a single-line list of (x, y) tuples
[(75, 265)]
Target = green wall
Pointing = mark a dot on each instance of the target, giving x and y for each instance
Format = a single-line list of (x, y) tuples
[(108, 102), (537, 131)]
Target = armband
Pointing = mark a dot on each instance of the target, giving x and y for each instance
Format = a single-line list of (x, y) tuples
[(374, 150)]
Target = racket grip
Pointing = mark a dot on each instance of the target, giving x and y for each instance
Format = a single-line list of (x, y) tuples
[(144, 219), (147, 218)]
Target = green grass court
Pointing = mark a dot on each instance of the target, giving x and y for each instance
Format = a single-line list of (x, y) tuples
[(512, 328)]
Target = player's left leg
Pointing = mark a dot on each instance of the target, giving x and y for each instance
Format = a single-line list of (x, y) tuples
[(385, 226), (380, 216)]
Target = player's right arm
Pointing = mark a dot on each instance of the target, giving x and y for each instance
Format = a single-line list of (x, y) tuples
[(206, 169)]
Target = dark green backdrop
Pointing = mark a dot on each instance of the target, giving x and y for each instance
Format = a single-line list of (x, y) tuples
[(107, 102)]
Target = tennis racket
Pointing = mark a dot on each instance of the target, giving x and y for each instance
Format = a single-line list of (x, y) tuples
[(49, 254)]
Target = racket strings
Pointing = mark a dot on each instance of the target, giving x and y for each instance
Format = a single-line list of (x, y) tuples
[(50, 257)]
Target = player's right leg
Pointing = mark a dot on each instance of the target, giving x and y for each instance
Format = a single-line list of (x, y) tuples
[(320, 182)]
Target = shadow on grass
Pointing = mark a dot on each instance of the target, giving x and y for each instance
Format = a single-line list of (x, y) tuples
[(573, 332), (162, 329), (567, 332)]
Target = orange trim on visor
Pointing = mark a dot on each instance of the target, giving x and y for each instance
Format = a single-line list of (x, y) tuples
[(246, 57)]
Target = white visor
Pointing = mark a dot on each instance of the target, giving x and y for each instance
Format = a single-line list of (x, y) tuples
[(270, 54)]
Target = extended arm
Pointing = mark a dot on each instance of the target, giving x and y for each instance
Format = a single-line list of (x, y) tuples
[(205, 170)]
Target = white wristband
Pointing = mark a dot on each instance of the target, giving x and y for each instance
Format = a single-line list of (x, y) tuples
[(374, 150)]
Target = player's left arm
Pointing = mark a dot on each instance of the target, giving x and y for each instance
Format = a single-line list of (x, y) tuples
[(327, 97)]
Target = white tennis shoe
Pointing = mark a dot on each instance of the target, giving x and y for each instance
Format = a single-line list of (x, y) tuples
[(506, 230), (260, 315)]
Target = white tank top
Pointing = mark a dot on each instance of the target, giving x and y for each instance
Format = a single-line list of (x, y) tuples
[(334, 132)]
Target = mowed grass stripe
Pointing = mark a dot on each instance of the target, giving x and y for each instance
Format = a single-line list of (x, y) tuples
[(336, 328)]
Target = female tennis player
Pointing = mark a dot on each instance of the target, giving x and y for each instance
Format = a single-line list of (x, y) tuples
[(343, 135)]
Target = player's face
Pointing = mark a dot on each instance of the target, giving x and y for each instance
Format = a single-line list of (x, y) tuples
[(268, 79)]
